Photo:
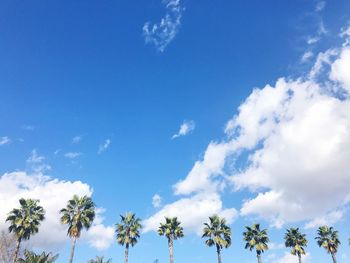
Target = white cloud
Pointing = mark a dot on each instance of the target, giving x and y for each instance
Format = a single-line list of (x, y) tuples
[(4, 140), (307, 56), (289, 258), (340, 70), (36, 163), (72, 155), (328, 219), (185, 128), (164, 32), (156, 201), (104, 146), (53, 195), (77, 139), (204, 205), (320, 6)]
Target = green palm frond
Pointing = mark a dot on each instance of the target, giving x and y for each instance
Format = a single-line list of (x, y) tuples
[(172, 228), (128, 230), (256, 239), (328, 238), (217, 232)]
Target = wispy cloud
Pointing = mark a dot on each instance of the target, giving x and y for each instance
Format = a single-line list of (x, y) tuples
[(156, 201), (36, 163), (162, 33), (72, 155), (104, 146), (28, 127), (77, 139), (320, 6), (4, 140), (307, 56), (185, 128)]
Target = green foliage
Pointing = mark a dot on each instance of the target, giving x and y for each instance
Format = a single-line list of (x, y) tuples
[(128, 230), (172, 228), (99, 260), (79, 214), (328, 238), (256, 239), (217, 232), (25, 221), (31, 257), (295, 240)]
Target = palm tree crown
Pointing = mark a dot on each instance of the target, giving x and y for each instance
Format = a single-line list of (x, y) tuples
[(79, 214), (217, 232), (328, 238), (295, 240), (172, 228), (128, 230), (99, 260), (256, 239), (31, 257)]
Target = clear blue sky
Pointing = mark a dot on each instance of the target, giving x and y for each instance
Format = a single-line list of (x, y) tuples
[(88, 69)]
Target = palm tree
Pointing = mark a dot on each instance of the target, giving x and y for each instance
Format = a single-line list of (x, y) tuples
[(328, 238), (78, 214), (256, 239), (25, 221), (218, 234), (99, 260), (297, 241), (172, 230), (128, 232), (31, 257)]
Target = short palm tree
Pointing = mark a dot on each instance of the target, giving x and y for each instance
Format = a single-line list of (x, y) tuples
[(297, 241), (25, 221), (78, 214), (172, 230), (328, 238), (99, 260), (218, 234), (31, 257), (128, 232), (256, 239)]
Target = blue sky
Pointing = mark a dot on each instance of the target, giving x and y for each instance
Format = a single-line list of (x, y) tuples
[(126, 100)]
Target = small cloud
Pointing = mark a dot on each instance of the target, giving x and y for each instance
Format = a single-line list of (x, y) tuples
[(57, 151), (164, 32), (306, 56), (77, 139), (72, 155), (313, 40), (156, 201), (36, 163), (320, 6), (185, 128), (4, 140), (28, 127), (104, 146)]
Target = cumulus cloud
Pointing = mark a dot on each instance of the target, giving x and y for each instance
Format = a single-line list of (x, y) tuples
[(104, 146), (4, 140), (72, 155), (53, 195), (289, 258), (185, 128), (156, 201), (162, 33), (204, 204)]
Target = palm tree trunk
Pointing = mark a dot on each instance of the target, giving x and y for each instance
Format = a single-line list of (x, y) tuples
[(299, 257), (74, 240), (334, 258), (16, 251), (259, 258), (219, 254), (170, 243), (126, 257)]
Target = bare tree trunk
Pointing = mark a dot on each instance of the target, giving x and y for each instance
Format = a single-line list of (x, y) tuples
[(170, 243), (334, 258), (126, 257), (17, 250), (299, 257), (219, 254), (74, 240), (259, 258)]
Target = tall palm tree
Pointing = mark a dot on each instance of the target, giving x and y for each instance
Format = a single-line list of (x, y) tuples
[(78, 214), (256, 239), (31, 257), (297, 241), (99, 260), (328, 238), (172, 230), (128, 232), (218, 234), (25, 221)]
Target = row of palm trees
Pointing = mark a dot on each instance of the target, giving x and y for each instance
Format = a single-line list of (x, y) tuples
[(79, 214)]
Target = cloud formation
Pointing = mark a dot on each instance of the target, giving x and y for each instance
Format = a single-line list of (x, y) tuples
[(72, 155), (4, 140), (77, 139), (156, 201), (53, 195), (185, 128), (162, 33), (104, 146)]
